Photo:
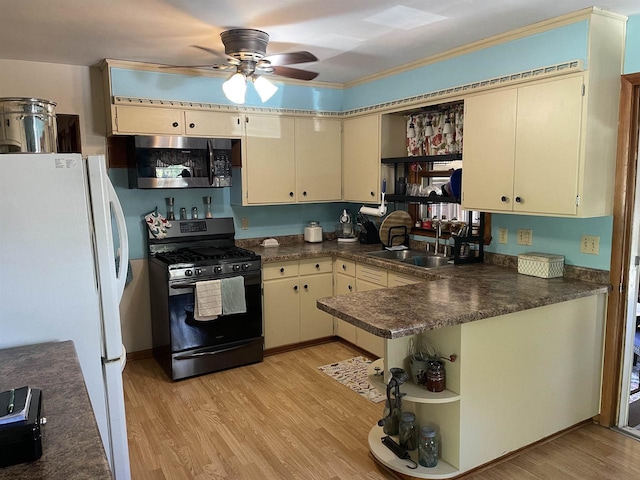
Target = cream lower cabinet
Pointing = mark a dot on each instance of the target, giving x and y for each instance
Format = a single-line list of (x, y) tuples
[(370, 278), (290, 291)]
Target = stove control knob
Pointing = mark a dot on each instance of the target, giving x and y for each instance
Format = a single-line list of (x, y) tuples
[(188, 273), (236, 268), (217, 269), (245, 266), (198, 271)]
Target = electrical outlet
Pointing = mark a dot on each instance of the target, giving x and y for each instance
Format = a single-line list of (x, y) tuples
[(590, 244), (525, 236), (503, 235), (244, 223)]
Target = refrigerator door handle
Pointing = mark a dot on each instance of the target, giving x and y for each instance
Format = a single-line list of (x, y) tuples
[(121, 276)]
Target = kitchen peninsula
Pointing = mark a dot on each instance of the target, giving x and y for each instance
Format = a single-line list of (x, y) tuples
[(529, 357)]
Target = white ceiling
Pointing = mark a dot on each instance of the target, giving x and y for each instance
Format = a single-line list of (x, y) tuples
[(351, 38)]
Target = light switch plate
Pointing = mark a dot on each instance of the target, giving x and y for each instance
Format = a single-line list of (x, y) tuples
[(244, 223), (590, 244), (503, 235), (525, 236)]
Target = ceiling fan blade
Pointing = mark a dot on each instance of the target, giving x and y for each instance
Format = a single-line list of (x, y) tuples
[(294, 73), (214, 66), (290, 58)]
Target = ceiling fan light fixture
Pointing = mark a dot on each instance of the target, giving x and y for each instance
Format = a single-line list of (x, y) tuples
[(235, 88), (265, 88)]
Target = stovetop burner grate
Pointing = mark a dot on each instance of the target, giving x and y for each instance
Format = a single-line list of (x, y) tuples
[(205, 254)]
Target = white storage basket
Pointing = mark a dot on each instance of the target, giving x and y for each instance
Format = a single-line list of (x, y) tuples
[(543, 265)]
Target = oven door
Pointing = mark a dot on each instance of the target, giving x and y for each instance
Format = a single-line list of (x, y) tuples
[(188, 333)]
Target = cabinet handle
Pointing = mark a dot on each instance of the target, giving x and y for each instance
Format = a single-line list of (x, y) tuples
[(291, 194), (519, 200), (192, 125), (372, 194), (503, 198), (306, 287), (175, 124), (295, 288), (304, 193), (282, 270), (344, 267), (349, 287), (238, 120), (317, 266)]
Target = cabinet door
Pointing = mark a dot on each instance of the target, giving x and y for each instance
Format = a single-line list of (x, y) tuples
[(314, 323), (365, 340), (318, 159), (281, 307), (361, 159), (148, 120), (213, 124), (345, 284), (489, 151), (270, 159), (547, 147)]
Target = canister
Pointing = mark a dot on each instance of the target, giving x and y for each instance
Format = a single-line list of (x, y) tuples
[(313, 232)]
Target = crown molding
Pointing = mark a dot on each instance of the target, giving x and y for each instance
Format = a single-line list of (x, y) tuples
[(539, 27)]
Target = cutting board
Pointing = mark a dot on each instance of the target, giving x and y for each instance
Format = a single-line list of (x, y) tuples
[(395, 219)]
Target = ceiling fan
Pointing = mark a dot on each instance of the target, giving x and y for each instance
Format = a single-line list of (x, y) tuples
[(246, 53)]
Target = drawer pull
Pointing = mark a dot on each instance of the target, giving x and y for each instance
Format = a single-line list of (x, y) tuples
[(349, 287), (519, 200), (295, 288), (317, 266), (282, 270), (192, 125), (174, 124), (306, 287), (503, 198)]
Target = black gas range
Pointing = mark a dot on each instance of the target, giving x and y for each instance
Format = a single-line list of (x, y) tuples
[(194, 251)]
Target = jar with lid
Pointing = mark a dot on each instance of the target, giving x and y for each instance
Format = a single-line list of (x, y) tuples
[(435, 376), (408, 431), (428, 447)]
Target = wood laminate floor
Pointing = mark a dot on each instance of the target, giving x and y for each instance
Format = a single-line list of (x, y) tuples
[(284, 419)]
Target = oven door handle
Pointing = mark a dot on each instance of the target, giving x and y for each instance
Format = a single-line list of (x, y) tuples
[(183, 285), (208, 353)]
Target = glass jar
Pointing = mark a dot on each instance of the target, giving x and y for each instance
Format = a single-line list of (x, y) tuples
[(408, 431), (207, 207), (391, 420), (428, 447), (435, 376), (170, 214)]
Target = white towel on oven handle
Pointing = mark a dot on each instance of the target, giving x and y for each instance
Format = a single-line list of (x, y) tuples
[(208, 301)]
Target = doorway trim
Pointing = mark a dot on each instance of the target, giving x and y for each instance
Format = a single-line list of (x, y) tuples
[(624, 200)]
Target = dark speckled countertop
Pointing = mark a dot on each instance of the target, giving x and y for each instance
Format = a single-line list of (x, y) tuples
[(451, 295), (71, 445)]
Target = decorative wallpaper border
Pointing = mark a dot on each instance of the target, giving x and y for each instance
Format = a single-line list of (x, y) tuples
[(552, 70)]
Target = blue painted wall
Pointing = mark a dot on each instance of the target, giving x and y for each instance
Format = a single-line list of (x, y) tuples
[(171, 86), (632, 47), (548, 48)]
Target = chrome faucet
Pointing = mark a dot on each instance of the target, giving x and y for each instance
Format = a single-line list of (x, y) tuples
[(438, 233)]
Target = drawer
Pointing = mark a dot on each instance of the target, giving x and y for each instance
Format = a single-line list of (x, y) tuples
[(310, 266), (371, 274), (398, 279), (346, 267), (274, 270)]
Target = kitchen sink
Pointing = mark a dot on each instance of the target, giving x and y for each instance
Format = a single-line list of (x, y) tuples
[(412, 257)]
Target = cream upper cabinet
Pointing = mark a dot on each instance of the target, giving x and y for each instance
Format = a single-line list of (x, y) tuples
[(318, 153), (131, 119), (361, 159), (213, 124), (269, 162), (148, 120), (527, 150)]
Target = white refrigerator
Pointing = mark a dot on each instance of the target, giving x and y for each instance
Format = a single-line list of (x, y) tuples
[(61, 226)]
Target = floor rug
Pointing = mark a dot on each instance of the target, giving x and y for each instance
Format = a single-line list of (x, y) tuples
[(353, 374)]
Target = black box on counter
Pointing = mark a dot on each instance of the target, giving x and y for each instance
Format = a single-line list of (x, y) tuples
[(21, 441)]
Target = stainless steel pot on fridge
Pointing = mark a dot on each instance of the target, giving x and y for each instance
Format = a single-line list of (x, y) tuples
[(28, 125)]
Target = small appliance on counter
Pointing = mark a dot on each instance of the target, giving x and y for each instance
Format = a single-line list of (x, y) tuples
[(345, 230), (368, 230), (313, 232), (21, 435)]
